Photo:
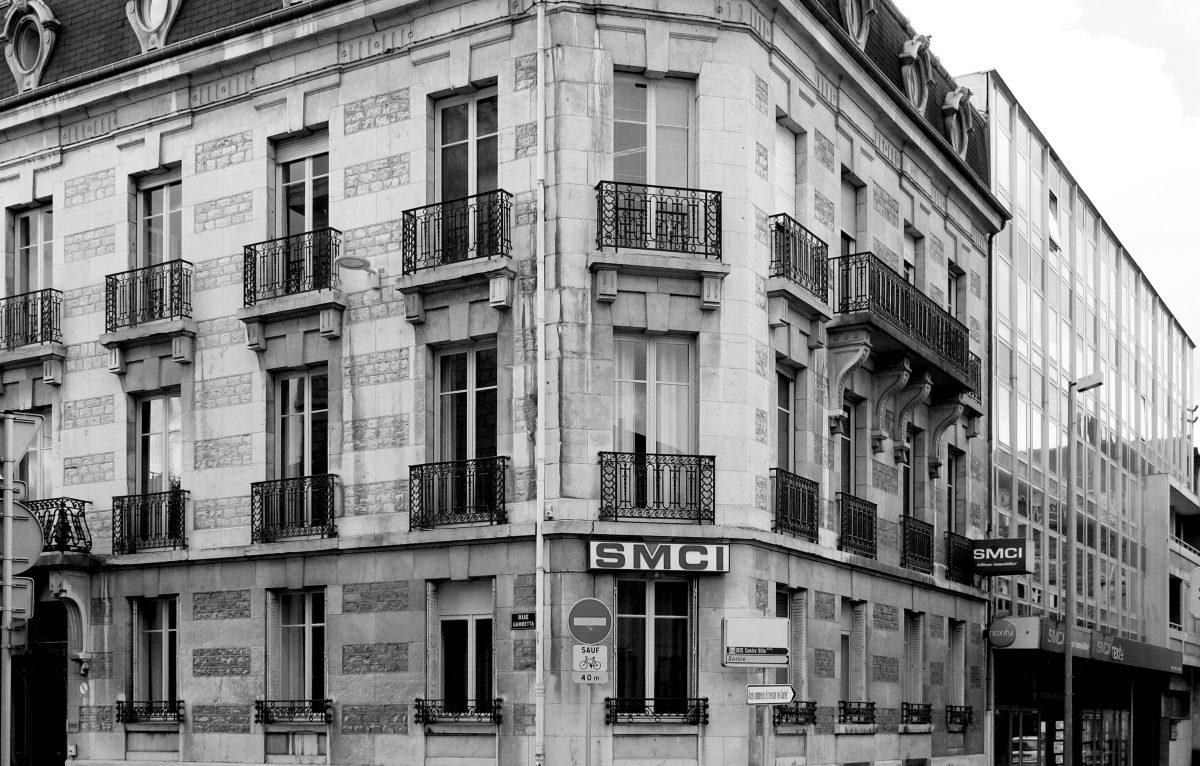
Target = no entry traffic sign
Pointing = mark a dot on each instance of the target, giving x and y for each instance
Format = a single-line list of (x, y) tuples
[(590, 621)]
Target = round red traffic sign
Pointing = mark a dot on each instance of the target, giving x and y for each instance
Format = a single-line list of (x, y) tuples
[(28, 539), (590, 621)]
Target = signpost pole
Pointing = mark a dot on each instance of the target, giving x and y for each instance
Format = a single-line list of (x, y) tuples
[(765, 713), (6, 730)]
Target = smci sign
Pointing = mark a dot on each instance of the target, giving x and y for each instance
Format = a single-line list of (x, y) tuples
[(659, 557), (1004, 556)]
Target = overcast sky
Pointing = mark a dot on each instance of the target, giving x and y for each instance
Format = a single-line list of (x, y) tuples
[(1115, 87)]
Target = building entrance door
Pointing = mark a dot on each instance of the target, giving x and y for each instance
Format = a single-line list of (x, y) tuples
[(1023, 738), (40, 690)]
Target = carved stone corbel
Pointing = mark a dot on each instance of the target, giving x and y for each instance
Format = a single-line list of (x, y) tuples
[(913, 394), (942, 416), (847, 352), (888, 382), (73, 590)]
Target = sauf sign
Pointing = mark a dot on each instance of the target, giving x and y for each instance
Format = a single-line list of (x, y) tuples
[(658, 557), (1003, 556)]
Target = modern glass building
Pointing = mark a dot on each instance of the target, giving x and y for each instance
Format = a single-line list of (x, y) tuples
[(1070, 300)]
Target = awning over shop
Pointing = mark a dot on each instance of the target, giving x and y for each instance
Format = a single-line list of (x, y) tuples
[(1043, 633)]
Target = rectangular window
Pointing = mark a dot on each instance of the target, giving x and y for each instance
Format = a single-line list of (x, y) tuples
[(908, 484), (783, 609), (910, 258), (159, 444), (782, 444), (302, 423), (468, 137), (466, 404), (954, 286), (654, 642), (954, 480), (34, 466), (956, 670), (160, 229), (465, 612), (34, 251), (652, 131), (786, 145), (301, 647), (303, 199), (914, 657), (854, 651), (655, 396), (848, 216), (155, 650), (846, 449)]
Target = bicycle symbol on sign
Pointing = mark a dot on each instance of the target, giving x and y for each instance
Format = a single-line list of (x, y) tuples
[(589, 663)]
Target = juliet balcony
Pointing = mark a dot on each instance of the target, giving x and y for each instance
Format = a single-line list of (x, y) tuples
[(473, 228), (637, 485), (457, 492), (150, 711), (796, 502), (149, 521), (293, 711), (683, 710), (799, 273), (292, 277), (960, 564), (30, 319), (857, 525), (149, 294), (869, 293), (303, 506), (64, 525), (916, 552), (458, 711)]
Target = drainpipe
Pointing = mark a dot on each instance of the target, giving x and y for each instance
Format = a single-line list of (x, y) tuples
[(543, 629)]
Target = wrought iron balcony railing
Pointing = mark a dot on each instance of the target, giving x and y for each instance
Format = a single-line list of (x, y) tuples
[(643, 485), (917, 551), (157, 711), (799, 256), (476, 227), (64, 525), (302, 711), (800, 712), (960, 562), (291, 265), (857, 519), (959, 715), (665, 218), (457, 492), (862, 282), (856, 712), (975, 376), (31, 318), (795, 500), (689, 710), (160, 291), (155, 520), (296, 507), (458, 711), (916, 712)]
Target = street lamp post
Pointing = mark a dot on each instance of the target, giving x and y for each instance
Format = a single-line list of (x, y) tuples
[(1074, 388)]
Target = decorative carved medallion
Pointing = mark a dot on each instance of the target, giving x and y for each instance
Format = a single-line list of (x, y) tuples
[(856, 16), (916, 71), (28, 36), (151, 21), (959, 118)]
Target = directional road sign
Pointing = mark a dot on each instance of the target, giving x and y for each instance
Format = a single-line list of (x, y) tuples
[(769, 694), (590, 621), (22, 606)]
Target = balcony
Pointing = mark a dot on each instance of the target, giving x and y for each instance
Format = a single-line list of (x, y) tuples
[(798, 713), (799, 259), (457, 492), (663, 218), (960, 561), (64, 526), (303, 506), (144, 522), (150, 711), (293, 711), (958, 717), (292, 265), (917, 551), (858, 713), (916, 713), (687, 710), (869, 292), (857, 519), (795, 501), (31, 318), (468, 229), (636, 485), (458, 711), (149, 294), (974, 383)]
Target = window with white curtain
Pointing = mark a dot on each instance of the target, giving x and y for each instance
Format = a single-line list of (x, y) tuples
[(35, 251), (160, 443), (155, 650), (652, 131), (466, 403), (160, 227), (301, 648), (655, 396)]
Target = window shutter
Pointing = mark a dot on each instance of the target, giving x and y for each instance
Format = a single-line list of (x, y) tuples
[(133, 678), (849, 210), (274, 646), (958, 661), (799, 660), (292, 149), (433, 643), (858, 652)]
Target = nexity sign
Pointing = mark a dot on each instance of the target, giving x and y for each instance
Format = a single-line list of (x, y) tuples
[(658, 557), (1003, 556)]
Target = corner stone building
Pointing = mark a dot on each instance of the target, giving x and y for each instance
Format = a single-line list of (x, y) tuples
[(273, 285)]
